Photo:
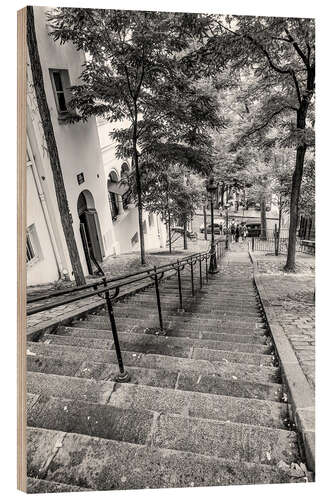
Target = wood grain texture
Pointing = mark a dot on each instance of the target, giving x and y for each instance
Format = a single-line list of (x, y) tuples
[(21, 247)]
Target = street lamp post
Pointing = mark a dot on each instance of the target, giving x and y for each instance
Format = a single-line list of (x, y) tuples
[(211, 189), (226, 206)]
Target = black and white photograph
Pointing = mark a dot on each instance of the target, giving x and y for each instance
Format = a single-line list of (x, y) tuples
[(167, 237)]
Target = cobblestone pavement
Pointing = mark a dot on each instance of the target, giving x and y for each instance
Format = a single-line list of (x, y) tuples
[(292, 298), (112, 266)]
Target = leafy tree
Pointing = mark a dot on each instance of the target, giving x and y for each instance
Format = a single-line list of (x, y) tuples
[(280, 54), (132, 73)]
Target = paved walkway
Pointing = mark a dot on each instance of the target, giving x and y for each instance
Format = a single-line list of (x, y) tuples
[(291, 297)]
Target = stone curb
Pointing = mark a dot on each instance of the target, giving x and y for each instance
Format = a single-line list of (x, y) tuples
[(300, 394)]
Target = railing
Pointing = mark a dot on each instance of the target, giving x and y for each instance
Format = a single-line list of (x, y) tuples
[(109, 290), (279, 246)]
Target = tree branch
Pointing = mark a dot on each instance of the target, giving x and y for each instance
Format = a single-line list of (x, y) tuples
[(263, 125), (298, 49)]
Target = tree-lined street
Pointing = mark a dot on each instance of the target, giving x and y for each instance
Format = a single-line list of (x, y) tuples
[(190, 363)]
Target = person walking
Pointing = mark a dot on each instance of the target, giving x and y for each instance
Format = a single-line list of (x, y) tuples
[(244, 232), (237, 233), (232, 231)]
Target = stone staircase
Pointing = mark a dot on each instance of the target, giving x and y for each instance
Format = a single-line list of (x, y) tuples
[(205, 405)]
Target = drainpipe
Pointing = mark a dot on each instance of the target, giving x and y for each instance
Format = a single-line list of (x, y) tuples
[(45, 211)]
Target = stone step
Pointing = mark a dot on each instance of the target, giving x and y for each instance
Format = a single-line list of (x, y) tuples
[(41, 486), (173, 303), (154, 369), (231, 441), (143, 342), (180, 402), (201, 295), (107, 465), (104, 371), (148, 346), (137, 311), (198, 404), (208, 323), (130, 325), (248, 343), (207, 292), (172, 332), (217, 384), (234, 357), (223, 381)]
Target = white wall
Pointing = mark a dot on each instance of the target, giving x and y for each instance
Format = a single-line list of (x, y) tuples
[(78, 145), (43, 268), (127, 224)]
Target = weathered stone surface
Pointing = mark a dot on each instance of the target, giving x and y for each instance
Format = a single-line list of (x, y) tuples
[(42, 486), (205, 404), (99, 464), (226, 440), (69, 387), (56, 365), (91, 419), (216, 384), (195, 404), (236, 357)]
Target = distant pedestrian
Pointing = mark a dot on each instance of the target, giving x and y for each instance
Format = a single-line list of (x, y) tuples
[(237, 233), (244, 233), (232, 231)]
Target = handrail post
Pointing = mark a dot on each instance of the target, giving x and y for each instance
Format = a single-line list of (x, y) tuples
[(162, 331), (206, 259), (181, 309), (123, 375), (192, 282), (200, 271)]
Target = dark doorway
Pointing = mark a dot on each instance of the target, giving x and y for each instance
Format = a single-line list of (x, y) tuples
[(90, 229)]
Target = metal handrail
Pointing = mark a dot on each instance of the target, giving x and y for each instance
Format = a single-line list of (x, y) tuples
[(105, 287), (93, 284)]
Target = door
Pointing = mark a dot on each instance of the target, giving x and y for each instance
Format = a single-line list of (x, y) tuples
[(89, 219)]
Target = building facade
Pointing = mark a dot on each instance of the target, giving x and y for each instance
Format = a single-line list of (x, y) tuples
[(104, 221), (122, 209)]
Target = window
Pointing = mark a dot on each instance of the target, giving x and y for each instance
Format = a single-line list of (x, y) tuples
[(61, 84), (145, 227), (151, 219), (33, 249), (30, 249), (135, 239)]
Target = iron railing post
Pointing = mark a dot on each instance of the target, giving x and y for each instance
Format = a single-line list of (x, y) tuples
[(252, 243), (181, 309), (123, 375), (192, 282), (200, 258), (158, 300), (206, 259)]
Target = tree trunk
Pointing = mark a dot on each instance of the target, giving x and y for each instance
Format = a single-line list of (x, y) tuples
[(185, 234), (294, 199), (263, 234), (222, 194), (279, 226), (138, 185), (237, 201), (205, 220), (65, 216)]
